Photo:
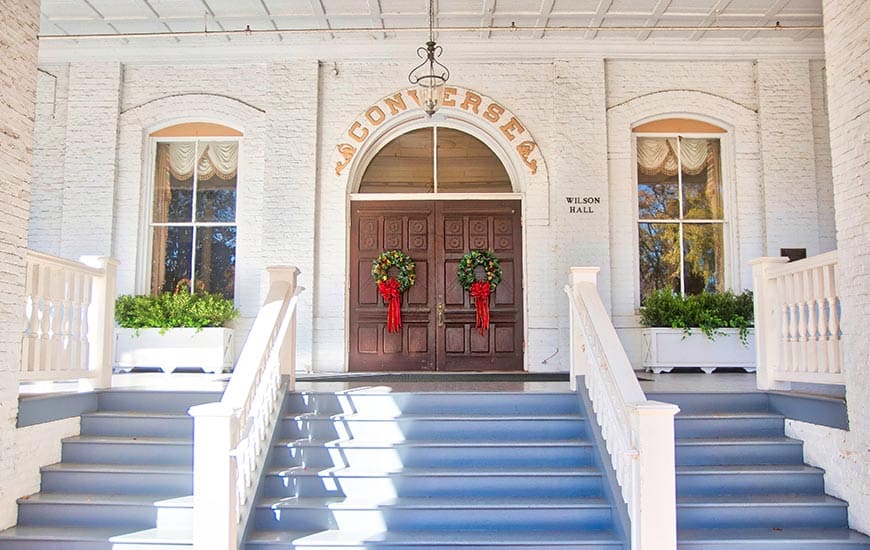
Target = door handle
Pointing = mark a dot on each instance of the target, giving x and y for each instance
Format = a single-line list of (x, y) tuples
[(439, 309)]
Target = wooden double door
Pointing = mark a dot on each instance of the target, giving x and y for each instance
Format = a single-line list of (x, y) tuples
[(438, 316)]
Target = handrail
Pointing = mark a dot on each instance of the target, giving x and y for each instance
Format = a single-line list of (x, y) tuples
[(639, 434), (69, 319), (231, 437), (797, 321)]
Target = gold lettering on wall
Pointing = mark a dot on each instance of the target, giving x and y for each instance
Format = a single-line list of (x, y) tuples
[(472, 102), (512, 124), (525, 149), (375, 115), (358, 132), (396, 103), (493, 112), (347, 152)]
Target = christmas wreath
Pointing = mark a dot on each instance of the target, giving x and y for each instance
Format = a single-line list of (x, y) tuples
[(391, 288), (482, 288)]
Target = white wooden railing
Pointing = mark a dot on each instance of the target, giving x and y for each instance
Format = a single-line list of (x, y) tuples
[(69, 319), (797, 321), (639, 433), (231, 438)]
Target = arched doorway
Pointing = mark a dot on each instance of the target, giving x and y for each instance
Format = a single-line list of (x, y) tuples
[(435, 193)]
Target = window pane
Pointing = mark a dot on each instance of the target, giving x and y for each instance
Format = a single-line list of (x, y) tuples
[(216, 259), (171, 257), (659, 257), (216, 181), (173, 183), (704, 255), (702, 185), (657, 180), (405, 165), (467, 165)]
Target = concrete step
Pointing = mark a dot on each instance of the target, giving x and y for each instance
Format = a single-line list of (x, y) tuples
[(729, 425), (722, 451), (177, 402), (140, 424), (749, 479), (117, 478), (761, 511), (433, 540), (94, 538), (771, 539), (417, 514), (127, 450), (391, 404), (714, 402), (168, 512), (431, 482), (460, 454), (405, 428)]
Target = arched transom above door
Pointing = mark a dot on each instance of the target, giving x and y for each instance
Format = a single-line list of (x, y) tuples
[(488, 122), (435, 160)]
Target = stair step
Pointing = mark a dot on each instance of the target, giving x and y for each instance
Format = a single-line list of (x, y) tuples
[(432, 427), (460, 454), (695, 403), (747, 479), (771, 511), (423, 482), (104, 449), (94, 538), (177, 402), (88, 509), (729, 424), (721, 451), (775, 539), (117, 478), (433, 540), (455, 514), (378, 402), (133, 423)]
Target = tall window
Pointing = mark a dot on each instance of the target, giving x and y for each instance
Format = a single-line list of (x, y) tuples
[(680, 214), (193, 220)]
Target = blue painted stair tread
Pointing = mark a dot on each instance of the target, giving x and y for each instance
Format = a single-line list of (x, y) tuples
[(434, 470), (125, 483), (742, 483)]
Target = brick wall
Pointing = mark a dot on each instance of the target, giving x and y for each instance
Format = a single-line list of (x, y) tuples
[(785, 118), (844, 455)]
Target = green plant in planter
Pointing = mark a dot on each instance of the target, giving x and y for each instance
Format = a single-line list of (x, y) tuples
[(174, 309), (708, 311)]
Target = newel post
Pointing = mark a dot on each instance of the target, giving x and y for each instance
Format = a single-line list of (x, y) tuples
[(101, 319), (579, 360), (215, 504), (655, 519), (284, 280), (768, 322)]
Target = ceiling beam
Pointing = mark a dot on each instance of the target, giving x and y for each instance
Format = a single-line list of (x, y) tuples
[(543, 18), (597, 19), (767, 19), (711, 19), (487, 18), (654, 18), (320, 12)]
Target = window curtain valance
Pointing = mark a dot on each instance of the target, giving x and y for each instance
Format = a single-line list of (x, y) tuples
[(215, 159), (658, 156)]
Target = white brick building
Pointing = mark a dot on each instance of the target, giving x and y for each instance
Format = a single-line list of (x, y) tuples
[(791, 106)]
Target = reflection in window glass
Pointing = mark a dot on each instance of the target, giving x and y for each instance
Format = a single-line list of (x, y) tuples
[(679, 180), (194, 214)]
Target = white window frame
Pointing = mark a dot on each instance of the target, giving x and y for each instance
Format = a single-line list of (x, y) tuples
[(728, 200), (146, 249)]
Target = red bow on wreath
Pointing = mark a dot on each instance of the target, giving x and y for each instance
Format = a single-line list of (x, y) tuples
[(392, 296), (480, 292)]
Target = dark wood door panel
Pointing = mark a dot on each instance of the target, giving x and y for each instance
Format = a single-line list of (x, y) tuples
[(375, 228), (480, 225)]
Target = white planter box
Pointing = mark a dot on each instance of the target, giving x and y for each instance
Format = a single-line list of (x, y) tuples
[(665, 349), (210, 349)]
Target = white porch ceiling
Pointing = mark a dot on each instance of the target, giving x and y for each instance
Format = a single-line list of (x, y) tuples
[(634, 21)]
